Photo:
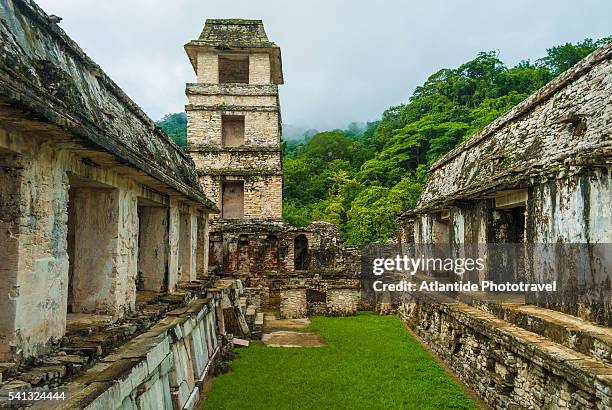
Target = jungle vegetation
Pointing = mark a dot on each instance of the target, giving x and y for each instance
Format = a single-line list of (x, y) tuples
[(362, 177)]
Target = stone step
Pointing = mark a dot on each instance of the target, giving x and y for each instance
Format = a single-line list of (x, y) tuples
[(250, 311), (513, 356), (240, 342), (567, 330)]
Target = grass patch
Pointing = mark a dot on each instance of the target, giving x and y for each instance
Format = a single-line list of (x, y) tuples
[(369, 361)]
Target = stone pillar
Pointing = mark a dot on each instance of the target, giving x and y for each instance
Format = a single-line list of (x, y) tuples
[(202, 246), (127, 251), (207, 68), (193, 245), (187, 246), (33, 256), (95, 280), (10, 180), (173, 244), (153, 247)]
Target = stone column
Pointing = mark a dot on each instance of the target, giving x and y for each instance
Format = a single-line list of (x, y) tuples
[(33, 256), (173, 244), (187, 245), (95, 283), (202, 246), (10, 180), (193, 244), (153, 247)]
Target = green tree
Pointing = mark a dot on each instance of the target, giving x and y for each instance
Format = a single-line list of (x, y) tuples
[(175, 125)]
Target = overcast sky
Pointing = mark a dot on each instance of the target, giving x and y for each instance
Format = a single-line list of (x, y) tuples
[(343, 60)]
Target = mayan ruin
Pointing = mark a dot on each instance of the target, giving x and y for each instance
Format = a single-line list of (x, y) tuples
[(222, 263)]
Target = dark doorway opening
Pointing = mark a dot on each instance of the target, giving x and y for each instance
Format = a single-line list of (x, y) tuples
[(508, 261), (300, 249)]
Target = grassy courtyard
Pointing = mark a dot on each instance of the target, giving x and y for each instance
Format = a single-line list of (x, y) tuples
[(368, 361)]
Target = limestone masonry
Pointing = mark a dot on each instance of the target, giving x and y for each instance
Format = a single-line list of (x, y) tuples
[(539, 178), (233, 134), (130, 267), (233, 118)]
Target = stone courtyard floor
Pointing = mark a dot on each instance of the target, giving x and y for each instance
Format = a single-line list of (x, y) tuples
[(364, 361), (289, 333)]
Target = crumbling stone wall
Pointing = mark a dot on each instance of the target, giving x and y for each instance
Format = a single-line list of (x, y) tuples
[(305, 297), (507, 366), (293, 303), (545, 167), (81, 157), (270, 248)]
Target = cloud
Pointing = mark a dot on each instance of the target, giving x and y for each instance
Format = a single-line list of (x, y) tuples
[(343, 60)]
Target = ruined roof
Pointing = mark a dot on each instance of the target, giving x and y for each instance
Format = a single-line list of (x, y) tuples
[(234, 33), (240, 35), (46, 75), (560, 130)]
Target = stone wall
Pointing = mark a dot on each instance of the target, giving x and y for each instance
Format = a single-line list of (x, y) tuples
[(540, 175), (507, 366), (342, 301), (302, 297), (163, 368), (262, 193), (239, 160), (293, 303), (261, 124), (268, 248), (82, 159)]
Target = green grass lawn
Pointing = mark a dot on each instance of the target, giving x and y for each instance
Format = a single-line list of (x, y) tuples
[(369, 361)]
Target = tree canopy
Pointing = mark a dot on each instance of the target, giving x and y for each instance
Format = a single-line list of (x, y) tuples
[(362, 178)]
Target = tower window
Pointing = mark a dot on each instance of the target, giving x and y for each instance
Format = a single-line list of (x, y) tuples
[(234, 69), (232, 130), (232, 200)]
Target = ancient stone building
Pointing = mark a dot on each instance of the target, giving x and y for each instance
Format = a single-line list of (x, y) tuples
[(103, 226), (233, 133), (96, 203), (233, 118), (539, 178)]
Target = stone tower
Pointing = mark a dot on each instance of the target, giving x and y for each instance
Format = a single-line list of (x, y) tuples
[(234, 122)]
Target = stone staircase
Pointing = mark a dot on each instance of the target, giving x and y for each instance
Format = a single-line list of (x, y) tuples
[(515, 355), (246, 321), (90, 337), (566, 330)]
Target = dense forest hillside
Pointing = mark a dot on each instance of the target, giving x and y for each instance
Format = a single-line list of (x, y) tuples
[(363, 177)]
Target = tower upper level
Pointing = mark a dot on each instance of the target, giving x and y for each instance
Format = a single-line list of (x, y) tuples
[(235, 51)]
